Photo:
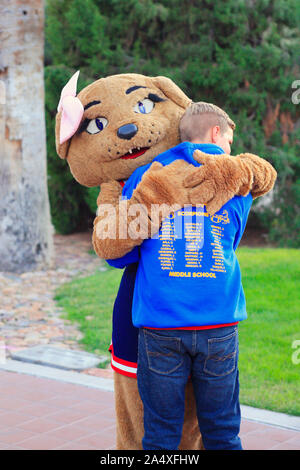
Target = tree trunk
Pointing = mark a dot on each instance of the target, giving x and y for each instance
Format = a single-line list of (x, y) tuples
[(25, 227)]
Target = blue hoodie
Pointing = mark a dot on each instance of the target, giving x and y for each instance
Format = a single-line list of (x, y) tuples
[(188, 274)]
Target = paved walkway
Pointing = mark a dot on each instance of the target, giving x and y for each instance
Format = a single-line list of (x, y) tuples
[(41, 413), (38, 413)]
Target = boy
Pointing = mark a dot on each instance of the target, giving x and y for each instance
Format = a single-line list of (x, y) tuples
[(188, 300)]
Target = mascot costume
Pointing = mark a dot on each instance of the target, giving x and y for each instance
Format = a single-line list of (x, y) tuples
[(112, 127)]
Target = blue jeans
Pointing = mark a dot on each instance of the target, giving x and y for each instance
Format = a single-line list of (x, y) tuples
[(166, 359)]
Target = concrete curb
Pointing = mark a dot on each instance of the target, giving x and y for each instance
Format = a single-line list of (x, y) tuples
[(272, 418), (253, 414), (58, 374)]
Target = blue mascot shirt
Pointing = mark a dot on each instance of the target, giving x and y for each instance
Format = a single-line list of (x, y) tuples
[(188, 274)]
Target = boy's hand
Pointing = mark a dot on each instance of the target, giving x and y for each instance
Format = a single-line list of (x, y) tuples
[(218, 180)]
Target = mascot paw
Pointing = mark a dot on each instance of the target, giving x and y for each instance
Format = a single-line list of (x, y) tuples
[(164, 184), (214, 183)]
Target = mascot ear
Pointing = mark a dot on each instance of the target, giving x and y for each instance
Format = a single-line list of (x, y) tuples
[(61, 149), (172, 91), (70, 112)]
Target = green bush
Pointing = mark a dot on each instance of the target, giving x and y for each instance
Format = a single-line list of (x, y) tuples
[(282, 218), (240, 55)]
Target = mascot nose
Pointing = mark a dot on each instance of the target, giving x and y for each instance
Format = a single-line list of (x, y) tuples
[(127, 131)]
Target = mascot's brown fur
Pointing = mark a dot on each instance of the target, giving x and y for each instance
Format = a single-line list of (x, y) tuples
[(128, 140)]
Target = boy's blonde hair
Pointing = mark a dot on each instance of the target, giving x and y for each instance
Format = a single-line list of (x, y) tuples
[(200, 117)]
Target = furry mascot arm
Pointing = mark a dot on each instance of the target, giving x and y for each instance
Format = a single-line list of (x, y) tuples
[(264, 175), (221, 177), (160, 192), (106, 234)]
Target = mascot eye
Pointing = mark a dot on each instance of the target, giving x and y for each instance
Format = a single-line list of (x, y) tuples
[(96, 125), (144, 107)]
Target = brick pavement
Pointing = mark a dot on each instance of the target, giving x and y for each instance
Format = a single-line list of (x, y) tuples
[(46, 414)]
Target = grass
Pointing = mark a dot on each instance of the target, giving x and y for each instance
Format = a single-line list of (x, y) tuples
[(271, 278), (269, 378)]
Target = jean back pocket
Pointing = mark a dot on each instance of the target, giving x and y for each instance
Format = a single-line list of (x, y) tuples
[(163, 352), (222, 355)]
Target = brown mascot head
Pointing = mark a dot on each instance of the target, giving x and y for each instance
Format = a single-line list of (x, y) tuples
[(117, 124)]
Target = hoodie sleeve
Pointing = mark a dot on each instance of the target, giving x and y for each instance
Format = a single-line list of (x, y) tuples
[(245, 203), (129, 258)]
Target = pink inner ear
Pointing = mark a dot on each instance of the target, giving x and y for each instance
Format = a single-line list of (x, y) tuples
[(72, 111), (70, 89)]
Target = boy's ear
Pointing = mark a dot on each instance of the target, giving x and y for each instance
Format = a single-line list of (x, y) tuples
[(61, 149), (172, 91)]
